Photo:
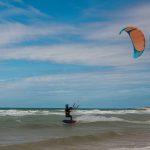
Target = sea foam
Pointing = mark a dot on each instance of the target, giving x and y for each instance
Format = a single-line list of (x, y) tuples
[(92, 118), (28, 112), (19, 112), (119, 112)]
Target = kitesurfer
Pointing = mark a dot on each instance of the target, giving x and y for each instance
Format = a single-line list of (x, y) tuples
[(67, 111)]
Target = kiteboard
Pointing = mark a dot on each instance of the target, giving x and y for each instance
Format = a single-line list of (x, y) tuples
[(69, 121)]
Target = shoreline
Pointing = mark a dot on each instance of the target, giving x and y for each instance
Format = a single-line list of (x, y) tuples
[(146, 108)]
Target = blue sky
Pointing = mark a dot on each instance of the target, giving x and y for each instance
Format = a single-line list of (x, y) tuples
[(54, 52)]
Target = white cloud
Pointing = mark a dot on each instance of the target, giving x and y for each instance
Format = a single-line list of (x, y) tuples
[(102, 46), (108, 30), (17, 32), (87, 85), (76, 54), (11, 10), (104, 33)]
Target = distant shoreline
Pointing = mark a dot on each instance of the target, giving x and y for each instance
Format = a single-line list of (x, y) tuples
[(146, 108)]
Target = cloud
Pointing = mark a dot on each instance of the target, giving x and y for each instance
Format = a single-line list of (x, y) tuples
[(76, 54), (99, 32), (17, 32), (100, 43), (108, 28), (10, 9), (73, 54), (88, 86), (104, 30), (88, 43)]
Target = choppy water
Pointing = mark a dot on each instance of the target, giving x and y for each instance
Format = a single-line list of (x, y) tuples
[(122, 129)]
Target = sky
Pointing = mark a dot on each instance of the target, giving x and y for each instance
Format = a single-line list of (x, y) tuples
[(54, 52)]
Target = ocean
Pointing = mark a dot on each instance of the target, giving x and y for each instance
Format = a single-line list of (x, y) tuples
[(96, 129)]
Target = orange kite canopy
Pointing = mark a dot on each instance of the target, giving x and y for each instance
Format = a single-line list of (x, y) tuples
[(138, 39)]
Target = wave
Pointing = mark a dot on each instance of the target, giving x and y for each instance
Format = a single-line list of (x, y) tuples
[(28, 112), (92, 118), (86, 138), (15, 112), (82, 138), (53, 142), (119, 112)]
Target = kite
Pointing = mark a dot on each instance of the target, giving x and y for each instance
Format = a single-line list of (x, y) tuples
[(137, 38)]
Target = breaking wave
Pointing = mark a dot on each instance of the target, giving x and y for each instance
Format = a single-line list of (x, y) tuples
[(21, 112), (28, 112), (91, 118), (119, 112)]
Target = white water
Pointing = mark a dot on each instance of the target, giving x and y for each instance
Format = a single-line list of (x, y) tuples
[(28, 112), (119, 112), (91, 118), (15, 112)]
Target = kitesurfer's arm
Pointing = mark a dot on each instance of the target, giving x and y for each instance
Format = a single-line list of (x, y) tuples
[(70, 108)]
